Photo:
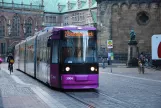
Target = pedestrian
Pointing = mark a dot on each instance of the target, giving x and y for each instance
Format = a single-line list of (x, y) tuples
[(103, 63), (141, 63), (1, 60)]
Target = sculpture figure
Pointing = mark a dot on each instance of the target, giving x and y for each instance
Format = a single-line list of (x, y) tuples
[(132, 35)]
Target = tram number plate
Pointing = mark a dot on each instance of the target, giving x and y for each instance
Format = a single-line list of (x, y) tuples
[(69, 78)]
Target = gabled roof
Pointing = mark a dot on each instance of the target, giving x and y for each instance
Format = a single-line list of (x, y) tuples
[(27, 2), (56, 6)]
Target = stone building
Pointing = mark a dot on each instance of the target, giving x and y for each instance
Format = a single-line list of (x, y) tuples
[(20, 19), (117, 17)]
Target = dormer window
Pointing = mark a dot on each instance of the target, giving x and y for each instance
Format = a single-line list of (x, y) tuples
[(90, 3), (79, 4), (60, 7), (69, 5)]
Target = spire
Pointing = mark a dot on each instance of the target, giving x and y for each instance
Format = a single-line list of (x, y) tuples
[(42, 3)]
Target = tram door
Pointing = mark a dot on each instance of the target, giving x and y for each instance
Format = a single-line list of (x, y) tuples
[(54, 68), (48, 52)]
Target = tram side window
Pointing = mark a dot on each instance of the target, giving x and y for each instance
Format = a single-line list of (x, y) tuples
[(55, 51)]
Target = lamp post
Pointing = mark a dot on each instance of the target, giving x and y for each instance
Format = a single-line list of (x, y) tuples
[(8, 35), (36, 27)]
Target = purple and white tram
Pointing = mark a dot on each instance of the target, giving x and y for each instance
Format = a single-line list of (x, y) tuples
[(63, 57)]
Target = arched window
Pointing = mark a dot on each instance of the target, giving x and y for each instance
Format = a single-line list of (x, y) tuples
[(2, 26), (16, 26), (28, 27)]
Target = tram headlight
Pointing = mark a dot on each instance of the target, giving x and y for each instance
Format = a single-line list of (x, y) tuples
[(67, 69), (92, 68)]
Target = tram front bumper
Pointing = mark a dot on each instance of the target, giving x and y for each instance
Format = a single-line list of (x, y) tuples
[(79, 81)]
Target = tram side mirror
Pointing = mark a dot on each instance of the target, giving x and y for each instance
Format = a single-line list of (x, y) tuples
[(49, 43)]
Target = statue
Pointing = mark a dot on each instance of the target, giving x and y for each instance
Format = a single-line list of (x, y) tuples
[(132, 35), (132, 50)]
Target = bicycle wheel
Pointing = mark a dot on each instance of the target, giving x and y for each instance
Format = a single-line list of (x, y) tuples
[(10, 68)]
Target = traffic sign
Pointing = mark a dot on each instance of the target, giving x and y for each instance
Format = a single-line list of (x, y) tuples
[(109, 44), (111, 56)]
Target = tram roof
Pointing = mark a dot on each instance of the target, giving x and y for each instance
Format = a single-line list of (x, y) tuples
[(75, 28)]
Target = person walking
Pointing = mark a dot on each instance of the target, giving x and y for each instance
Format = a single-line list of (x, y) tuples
[(10, 60), (141, 63), (1, 60), (103, 62)]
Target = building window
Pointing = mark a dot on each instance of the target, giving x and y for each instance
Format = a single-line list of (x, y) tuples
[(3, 48), (66, 20), (15, 26), (2, 26), (28, 26), (50, 20), (142, 18)]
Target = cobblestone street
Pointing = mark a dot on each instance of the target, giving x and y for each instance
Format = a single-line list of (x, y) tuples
[(123, 88)]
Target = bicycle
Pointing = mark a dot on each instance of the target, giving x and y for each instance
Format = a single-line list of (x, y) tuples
[(11, 68)]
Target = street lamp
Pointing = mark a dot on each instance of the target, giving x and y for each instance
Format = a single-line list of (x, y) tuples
[(36, 27)]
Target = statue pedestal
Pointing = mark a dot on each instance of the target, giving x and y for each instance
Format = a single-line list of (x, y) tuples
[(132, 54)]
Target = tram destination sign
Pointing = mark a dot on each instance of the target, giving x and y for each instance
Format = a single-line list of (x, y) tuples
[(79, 33)]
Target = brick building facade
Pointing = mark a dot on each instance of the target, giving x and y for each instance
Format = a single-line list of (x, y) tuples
[(117, 17), (17, 21)]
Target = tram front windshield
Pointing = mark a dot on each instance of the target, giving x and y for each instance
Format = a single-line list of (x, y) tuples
[(79, 46)]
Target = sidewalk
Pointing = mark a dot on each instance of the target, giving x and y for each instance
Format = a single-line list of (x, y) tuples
[(16, 95), (123, 70), (114, 65)]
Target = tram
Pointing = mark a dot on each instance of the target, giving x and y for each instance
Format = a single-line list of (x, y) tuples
[(62, 57)]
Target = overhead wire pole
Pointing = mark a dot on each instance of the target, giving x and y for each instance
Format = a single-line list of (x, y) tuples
[(90, 12)]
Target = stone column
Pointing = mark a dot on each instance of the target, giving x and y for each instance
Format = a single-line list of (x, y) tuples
[(132, 53)]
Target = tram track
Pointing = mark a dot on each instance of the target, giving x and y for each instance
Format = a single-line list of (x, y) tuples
[(108, 98), (114, 100), (79, 100)]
